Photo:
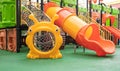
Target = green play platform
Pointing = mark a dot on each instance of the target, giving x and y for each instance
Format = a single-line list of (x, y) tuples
[(71, 61)]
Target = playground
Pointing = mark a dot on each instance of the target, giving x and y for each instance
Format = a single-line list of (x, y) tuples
[(59, 35)]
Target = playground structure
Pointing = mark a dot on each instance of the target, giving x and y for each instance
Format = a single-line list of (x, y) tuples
[(100, 11), (96, 9), (85, 35), (10, 25), (47, 39), (43, 37), (107, 17), (84, 31)]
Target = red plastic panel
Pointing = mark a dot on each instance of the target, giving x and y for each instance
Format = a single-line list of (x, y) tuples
[(3, 39), (63, 15), (11, 40), (48, 5)]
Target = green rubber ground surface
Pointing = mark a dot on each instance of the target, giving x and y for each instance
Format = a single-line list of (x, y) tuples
[(71, 61)]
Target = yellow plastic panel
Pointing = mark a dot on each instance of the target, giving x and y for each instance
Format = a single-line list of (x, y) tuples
[(88, 32), (52, 11), (72, 26), (48, 27)]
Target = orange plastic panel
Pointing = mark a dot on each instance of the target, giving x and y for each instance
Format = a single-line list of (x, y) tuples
[(94, 41), (3, 39), (52, 11), (63, 15), (95, 1), (108, 16), (48, 5), (11, 40), (73, 11)]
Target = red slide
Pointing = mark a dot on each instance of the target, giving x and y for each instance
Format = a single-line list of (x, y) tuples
[(84, 34), (95, 42), (115, 32)]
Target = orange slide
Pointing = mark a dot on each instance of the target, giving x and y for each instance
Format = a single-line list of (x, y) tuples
[(115, 32), (84, 34)]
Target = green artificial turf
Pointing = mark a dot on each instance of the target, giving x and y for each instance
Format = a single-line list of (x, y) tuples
[(71, 61)]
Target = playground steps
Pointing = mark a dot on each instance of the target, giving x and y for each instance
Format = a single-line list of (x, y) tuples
[(11, 40), (3, 39)]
